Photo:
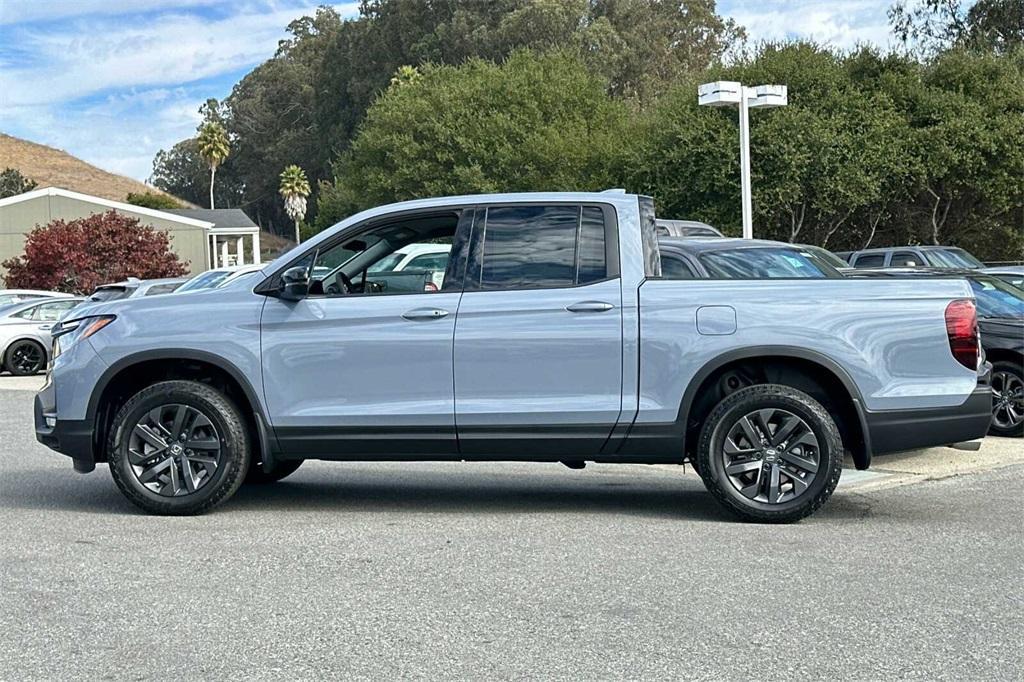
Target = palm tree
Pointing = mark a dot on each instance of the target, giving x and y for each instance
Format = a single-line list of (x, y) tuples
[(294, 189), (213, 147)]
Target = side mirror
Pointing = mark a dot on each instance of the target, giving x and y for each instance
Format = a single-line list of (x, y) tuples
[(294, 284)]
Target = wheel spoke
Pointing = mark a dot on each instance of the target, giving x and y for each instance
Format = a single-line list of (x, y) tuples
[(734, 450), (179, 422), (146, 433), (787, 428), (754, 489), (804, 463), (773, 484), (749, 431), (202, 444), (738, 468), (152, 472)]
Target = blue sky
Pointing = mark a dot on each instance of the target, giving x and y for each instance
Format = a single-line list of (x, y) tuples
[(113, 81)]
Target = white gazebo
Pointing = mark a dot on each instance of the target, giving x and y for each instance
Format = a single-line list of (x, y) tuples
[(233, 239)]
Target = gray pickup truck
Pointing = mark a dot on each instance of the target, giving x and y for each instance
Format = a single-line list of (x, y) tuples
[(553, 337)]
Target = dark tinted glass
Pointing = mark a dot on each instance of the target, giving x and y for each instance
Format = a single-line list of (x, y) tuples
[(904, 258), (529, 246), (674, 268), (591, 249), (872, 260), (162, 289)]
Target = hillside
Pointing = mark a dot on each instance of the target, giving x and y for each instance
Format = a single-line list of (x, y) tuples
[(51, 167)]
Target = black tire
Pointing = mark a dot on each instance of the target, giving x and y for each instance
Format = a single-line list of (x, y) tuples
[(229, 434), (257, 476), (816, 422), (25, 357), (1009, 427)]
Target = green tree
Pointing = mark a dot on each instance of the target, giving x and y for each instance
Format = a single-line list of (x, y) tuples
[(532, 123), (933, 26), (12, 183), (152, 200), (294, 189), (212, 145), (182, 172)]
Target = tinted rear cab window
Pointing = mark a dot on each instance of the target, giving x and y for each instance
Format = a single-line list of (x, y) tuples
[(870, 260), (542, 247)]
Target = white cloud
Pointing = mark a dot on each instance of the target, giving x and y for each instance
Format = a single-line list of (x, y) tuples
[(842, 24), (115, 88)]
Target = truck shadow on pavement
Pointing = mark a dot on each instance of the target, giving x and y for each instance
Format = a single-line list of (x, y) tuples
[(375, 489)]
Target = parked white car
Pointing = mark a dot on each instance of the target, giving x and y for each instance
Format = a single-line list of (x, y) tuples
[(9, 296), (25, 332), (422, 256)]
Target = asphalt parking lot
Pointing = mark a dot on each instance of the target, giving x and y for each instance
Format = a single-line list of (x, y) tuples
[(527, 571)]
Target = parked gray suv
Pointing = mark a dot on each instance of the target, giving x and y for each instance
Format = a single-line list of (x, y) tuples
[(553, 337)]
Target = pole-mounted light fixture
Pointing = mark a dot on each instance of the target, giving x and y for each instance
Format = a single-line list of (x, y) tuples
[(732, 93)]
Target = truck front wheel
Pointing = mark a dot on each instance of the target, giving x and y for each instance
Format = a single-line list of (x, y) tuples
[(770, 453), (178, 447)]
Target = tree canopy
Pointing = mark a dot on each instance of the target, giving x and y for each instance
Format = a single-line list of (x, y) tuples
[(421, 98)]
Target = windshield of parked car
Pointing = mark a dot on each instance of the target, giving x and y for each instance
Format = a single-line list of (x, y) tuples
[(206, 280), (952, 258), (996, 298), (765, 263), (109, 294), (817, 254)]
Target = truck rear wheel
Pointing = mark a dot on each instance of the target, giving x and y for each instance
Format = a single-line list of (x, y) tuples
[(178, 448), (770, 453)]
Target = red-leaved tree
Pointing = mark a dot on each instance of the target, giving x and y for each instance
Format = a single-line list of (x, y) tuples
[(76, 256)]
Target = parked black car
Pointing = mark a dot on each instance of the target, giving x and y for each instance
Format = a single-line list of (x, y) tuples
[(725, 258), (1001, 322)]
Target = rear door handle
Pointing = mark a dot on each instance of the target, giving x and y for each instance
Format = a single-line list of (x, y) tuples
[(45, 327), (589, 307), (425, 314)]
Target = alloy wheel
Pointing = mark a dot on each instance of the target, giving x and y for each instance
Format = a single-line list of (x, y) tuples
[(174, 450), (1007, 400), (770, 455), (27, 357)]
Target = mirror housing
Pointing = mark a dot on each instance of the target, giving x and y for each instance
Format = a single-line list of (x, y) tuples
[(294, 284)]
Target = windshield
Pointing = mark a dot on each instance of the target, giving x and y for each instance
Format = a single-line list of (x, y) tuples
[(819, 254), (387, 263), (765, 263), (952, 258), (109, 294), (207, 280), (996, 298)]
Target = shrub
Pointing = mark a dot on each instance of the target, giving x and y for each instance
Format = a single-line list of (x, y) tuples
[(152, 200), (76, 256)]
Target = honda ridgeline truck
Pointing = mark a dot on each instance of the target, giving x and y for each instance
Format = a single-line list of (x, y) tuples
[(552, 337)]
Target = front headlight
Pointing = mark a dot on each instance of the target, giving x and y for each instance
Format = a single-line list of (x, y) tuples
[(68, 333)]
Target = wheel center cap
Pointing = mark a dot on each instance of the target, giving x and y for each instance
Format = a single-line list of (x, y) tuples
[(175, 449), (770, 455)]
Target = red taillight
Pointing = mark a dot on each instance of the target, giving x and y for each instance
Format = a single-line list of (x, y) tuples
[(962, 331)]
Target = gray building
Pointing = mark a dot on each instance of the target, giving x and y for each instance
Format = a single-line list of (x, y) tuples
[(200, 243)]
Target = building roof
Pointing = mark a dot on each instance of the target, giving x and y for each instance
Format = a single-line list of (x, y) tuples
[(106, 203), (220, 217)]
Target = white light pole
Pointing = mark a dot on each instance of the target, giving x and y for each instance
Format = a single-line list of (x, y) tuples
[(727, 94)]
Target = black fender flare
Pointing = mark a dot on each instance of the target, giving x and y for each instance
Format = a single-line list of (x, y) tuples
[(862, 459), (268, 445)]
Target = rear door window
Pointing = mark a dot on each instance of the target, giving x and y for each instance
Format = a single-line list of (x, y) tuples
[(542, 247), (902, 259), (870, 260), (674, 267)]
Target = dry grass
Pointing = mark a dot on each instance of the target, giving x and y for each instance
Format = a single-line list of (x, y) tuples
[(55, 168)]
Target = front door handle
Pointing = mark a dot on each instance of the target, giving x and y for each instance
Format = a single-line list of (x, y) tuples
[(589, 307), (425, 314), (45, 327)]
